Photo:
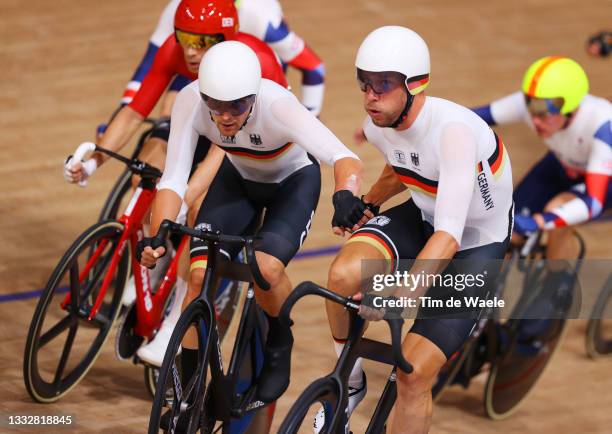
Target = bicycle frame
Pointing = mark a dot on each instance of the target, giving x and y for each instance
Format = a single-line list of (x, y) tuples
[(149, 304), (222, 402), (356, 346)]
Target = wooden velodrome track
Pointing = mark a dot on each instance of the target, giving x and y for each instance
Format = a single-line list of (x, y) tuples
[(63, 67)]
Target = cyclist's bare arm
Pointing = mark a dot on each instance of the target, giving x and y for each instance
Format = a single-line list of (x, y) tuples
[(202, 177), (119, 132), (387, 186), (167, 205)]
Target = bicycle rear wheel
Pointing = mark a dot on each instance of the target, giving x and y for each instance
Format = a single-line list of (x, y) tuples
[(51, 369), (325, 393), (514, 374), (599, 329)]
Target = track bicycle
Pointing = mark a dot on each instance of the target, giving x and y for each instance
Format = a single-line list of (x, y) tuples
[(82, 298), (213, 400), (331, 391), (516, 359)]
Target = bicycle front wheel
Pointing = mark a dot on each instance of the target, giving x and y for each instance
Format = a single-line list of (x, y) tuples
[(322, 394), (179, 396), (63, 342)]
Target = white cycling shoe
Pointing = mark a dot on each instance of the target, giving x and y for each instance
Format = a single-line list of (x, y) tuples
[(153, 353), (356, 395)]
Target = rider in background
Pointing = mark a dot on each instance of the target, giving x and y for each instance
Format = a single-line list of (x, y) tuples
[(263, 19), (571, 183)]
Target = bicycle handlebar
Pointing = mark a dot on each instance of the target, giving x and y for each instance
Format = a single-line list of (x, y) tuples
[(310, 288), (168, 226), (136, 166)]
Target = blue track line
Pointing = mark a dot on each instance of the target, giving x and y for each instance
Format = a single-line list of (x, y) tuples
[(305, 254)]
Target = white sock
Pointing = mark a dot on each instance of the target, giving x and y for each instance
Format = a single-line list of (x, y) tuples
[(356, 377), (179, 295)]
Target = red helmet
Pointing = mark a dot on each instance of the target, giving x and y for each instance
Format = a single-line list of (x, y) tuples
[(207, 17)]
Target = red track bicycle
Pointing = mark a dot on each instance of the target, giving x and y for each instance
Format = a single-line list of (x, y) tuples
[(82, 298)]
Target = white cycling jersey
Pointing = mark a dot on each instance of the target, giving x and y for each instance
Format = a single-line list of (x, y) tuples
[(458, 171), (274, 143)]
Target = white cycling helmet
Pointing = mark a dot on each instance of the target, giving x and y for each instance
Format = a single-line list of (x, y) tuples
[(229, 71), (397, 49)]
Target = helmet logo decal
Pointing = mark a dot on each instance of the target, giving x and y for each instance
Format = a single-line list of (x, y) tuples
[(227, 22)]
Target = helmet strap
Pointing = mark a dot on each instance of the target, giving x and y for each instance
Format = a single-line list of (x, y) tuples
[(404, 113), (568, 119)]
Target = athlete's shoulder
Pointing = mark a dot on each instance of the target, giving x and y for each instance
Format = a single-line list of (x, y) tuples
[(270, 91), (257, 16), (597, 104), (446, 111), (190, 95), (592, 114), (253, 42)]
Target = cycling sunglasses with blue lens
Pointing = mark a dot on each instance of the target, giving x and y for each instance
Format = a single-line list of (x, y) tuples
[(380, 82), (541, 107), (236, 107)]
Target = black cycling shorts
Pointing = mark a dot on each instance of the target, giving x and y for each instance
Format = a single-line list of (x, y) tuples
[(401, 233), (234, 205)]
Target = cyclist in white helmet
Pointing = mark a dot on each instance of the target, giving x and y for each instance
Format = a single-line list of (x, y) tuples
[(272, 146), (459, 176)]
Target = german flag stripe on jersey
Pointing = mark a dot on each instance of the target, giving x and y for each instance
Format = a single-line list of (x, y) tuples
[(254, 154), (414, 181), (198, 262), (379, 243), (496, 160)]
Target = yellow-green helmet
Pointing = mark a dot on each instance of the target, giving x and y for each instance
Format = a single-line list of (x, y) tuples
[(557, 77)]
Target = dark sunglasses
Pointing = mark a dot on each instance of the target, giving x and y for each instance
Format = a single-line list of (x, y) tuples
[(380, 82), (234, 108)]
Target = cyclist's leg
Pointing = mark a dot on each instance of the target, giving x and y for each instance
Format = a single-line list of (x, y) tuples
[(414, 405), (381, 242), (434, 338), (545, 180), (227, 209), (290, 207)]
